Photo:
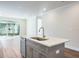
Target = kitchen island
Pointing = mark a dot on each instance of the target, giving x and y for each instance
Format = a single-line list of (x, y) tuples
[(50, 48)]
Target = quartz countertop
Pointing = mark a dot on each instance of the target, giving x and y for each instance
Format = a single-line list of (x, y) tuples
[(51, 41)]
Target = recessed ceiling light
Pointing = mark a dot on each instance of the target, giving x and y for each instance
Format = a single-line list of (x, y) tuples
[(44, 9)]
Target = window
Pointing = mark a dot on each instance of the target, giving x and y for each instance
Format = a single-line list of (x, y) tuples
[(3, 29), (9, 28)]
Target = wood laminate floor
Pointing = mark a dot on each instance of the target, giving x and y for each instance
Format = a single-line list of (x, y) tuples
[(9, 53), (12, 53), (71, 53)]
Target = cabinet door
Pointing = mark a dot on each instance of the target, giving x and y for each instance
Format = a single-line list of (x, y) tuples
[(29, 52)]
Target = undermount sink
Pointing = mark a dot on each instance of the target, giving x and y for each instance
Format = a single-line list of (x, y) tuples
[(39, 38)]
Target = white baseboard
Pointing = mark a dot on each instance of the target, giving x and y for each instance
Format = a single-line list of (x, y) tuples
[(76, 49)]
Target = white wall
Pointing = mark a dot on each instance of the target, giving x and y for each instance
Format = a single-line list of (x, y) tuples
[(63, 22), (31, 26), (23, 27)]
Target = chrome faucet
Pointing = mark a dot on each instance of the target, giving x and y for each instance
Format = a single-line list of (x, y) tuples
[(43, 31)]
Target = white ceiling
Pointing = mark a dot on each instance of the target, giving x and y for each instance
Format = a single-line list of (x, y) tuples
[(28, 7)]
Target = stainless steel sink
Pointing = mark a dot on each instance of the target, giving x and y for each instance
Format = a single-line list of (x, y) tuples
[(39, 38)]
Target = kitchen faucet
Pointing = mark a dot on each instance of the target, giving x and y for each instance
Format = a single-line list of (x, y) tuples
[(43, 31)]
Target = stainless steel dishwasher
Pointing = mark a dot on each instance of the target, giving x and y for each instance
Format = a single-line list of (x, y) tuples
[(23, 48)]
